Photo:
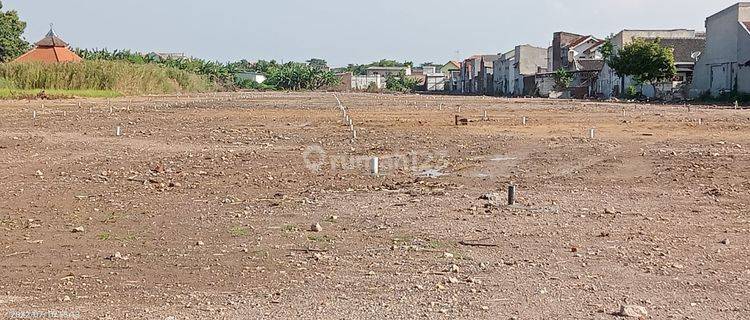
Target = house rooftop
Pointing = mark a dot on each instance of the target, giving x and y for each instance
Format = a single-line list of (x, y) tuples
[(646, 30), (738, 5), (581, 40), (685, 49), (591, 64), (50, 49), (386, 68), (51, 40)]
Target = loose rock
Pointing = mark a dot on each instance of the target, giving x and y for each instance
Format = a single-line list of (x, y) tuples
[(316, 227), (490, 196), (633, 311)]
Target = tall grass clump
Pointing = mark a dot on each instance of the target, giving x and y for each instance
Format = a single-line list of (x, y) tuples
[(119, 76)]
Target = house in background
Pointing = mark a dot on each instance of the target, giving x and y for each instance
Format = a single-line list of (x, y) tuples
[(476, 74), (452, 72), (503, 70), (51, 49), (435, 82), (724, 65), (514, 67), (485, 76), (161, 56), (450, 67), (425, 69), (583, 84), (350, 82), (686, 53), (467, 75), (388, 71), (609, 84), (569, 48), (251, 76)]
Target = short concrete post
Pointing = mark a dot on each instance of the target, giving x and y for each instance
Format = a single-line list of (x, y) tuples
[(592, 132), (511, 195), (33, 115), (118, 131), (354, 134), (485, 118), (374, 166), (700, 121), (736, 105), (524, 120)]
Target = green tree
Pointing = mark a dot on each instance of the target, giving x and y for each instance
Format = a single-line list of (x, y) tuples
[(645, 61), (318, 63), (563, 79), (401, 83), (12, 43)]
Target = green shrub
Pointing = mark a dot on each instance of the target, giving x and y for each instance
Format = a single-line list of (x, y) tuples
[(631, 92), (401, 83)]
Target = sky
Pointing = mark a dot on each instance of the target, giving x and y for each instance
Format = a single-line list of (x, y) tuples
[(345, 31)]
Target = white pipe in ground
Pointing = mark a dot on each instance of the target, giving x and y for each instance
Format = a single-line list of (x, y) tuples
[(374, 166)]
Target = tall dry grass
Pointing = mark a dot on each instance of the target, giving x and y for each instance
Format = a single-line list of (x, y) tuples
[(119, 76)]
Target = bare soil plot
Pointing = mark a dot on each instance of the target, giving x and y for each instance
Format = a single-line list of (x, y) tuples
[(205, 208)]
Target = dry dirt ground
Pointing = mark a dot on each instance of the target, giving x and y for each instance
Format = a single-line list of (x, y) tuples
[(204, 208)]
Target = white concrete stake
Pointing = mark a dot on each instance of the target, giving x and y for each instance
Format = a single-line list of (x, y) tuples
[(354, 134), (485, 116), (523, 120), (700, 121), (592, 131), (736, 105), (118, 131), (374, 166), (33, 115)]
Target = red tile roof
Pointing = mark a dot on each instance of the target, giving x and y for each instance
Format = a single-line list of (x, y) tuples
[(49, 54), (579, 41), (50, 49)]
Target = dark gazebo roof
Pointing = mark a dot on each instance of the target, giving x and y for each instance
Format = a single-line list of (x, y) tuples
[(51, 40)]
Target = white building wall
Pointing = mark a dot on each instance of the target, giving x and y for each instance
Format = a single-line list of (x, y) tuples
[(721, 66), (435, 82), (363, 82)]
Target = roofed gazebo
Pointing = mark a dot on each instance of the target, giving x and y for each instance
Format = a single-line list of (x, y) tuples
[(50, 49)]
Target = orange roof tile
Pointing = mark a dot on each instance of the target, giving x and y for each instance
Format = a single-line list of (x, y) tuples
[(50, 49), (49, 54)]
